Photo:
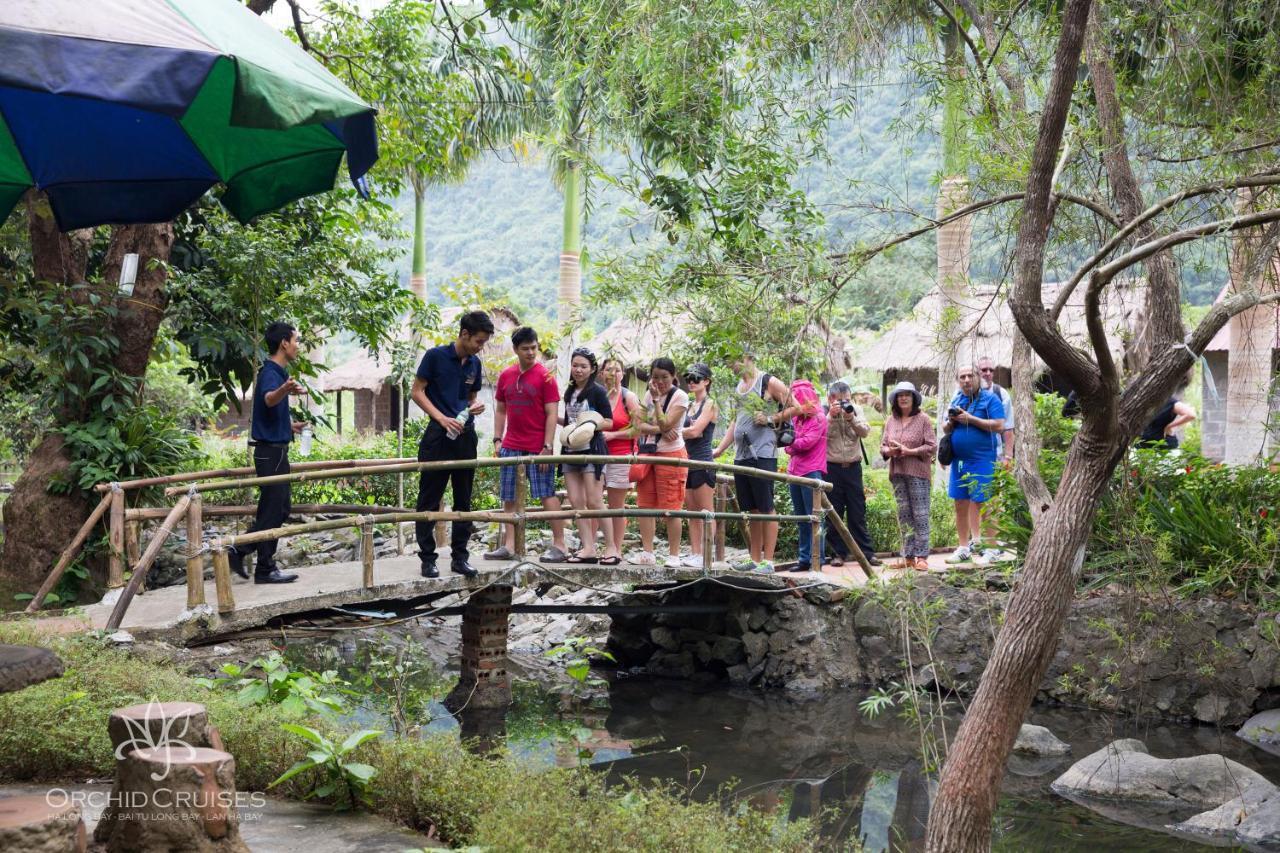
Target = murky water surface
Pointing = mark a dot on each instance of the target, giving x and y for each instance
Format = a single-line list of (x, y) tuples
[(820, 759)]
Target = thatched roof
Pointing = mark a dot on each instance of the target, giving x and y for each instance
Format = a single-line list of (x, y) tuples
[(365, 372), (637, 342), (986, 325)]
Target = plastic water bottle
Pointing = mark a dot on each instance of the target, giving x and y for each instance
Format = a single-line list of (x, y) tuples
[(304, 441), (464, 417)]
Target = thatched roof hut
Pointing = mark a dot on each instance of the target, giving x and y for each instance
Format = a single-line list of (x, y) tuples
[(909, 349), (367, 375)]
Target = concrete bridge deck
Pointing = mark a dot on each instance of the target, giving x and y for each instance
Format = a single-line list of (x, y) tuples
[(162, 613)]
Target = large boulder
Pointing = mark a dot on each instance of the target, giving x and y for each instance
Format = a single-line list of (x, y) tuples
[(1124, 771)]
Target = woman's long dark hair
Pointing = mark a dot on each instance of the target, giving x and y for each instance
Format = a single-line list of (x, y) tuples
[(581, 352)]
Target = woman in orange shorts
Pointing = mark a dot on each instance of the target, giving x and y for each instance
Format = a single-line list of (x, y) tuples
[(662, 486)]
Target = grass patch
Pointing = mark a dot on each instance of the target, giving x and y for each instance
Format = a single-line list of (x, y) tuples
[(57, 731)]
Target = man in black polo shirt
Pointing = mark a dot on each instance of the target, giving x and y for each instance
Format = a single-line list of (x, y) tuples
[(272, 430), (446, 386)]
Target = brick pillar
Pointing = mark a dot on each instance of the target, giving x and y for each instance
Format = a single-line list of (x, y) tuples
[(484, 682)]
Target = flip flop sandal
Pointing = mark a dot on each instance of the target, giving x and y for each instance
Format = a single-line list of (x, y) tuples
[(610, 561), (575, 559)]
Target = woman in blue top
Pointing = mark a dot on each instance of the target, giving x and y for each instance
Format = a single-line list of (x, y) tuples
[(973, 420)]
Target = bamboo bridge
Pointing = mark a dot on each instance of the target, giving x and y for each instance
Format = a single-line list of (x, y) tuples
[(367, 588)]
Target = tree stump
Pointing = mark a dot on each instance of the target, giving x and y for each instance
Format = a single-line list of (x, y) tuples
[(34, 825), (190, 807), (23, 666), (157, 724)]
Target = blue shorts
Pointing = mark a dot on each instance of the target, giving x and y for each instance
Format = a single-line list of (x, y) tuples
[(542, 478), (971, 479)]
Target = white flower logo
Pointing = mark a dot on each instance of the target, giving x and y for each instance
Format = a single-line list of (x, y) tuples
[(140, 736)]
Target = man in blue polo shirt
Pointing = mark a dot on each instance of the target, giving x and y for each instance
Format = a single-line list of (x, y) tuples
[(270, 434), (974, 420), (445, 387)]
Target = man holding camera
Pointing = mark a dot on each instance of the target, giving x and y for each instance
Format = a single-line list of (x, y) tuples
[(845, 430), (974, 420)]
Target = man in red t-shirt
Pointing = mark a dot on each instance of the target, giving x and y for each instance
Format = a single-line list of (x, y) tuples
[(524, 424)]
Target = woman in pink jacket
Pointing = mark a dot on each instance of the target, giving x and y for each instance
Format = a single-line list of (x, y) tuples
[(808, 459)]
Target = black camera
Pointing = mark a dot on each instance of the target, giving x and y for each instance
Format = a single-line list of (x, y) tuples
[(954, 411), (847, 405)]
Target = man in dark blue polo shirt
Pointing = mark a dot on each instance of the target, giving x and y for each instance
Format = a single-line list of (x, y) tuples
[(272, 430), (446, 386)]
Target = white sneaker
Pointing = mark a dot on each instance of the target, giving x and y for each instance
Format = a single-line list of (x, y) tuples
[(642, 558), (693, 561), (673, 561), (981, 560), (961, 555)]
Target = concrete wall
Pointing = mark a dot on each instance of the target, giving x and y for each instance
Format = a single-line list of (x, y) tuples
[(1213, 406), (1213, 403)]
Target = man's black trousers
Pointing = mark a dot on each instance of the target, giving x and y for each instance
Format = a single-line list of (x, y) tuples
[(434, 446), (273, 502), (850, 503)]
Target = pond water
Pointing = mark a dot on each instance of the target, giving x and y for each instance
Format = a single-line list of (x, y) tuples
[(819, 758)]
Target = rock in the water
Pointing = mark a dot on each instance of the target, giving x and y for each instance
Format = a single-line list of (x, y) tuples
[(1255, 813), (1037, 740), (1123, 770), (1263, 730)]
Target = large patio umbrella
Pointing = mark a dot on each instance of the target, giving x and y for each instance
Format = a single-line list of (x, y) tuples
[(127, 111)]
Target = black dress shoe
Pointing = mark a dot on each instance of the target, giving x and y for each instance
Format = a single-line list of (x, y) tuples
[(236, 559), (275, 576), (874, 560), (462, 567), (429, 570)]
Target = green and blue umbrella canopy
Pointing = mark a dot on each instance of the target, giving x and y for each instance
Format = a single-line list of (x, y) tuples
[(126, 111)]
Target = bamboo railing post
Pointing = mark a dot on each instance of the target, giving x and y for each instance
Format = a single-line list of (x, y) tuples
[(69, 553), (366, 553), (115, 539), (709, 527), (721, 505), (522, 498), (222, 580), (144, 564), (837, 524), (132, 548), (815, 542), (195, 555)]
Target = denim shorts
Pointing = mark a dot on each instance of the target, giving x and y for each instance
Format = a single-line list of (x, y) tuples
[(542, 478)]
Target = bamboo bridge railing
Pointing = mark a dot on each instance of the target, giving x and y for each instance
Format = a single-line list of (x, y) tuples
[(124, 536)]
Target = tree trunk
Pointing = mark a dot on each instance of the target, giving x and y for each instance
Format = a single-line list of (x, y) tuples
[(1038, 606), (38, 525), (1161, 322), (569, 298), (418, 273), (975, 764), (955, 241)]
